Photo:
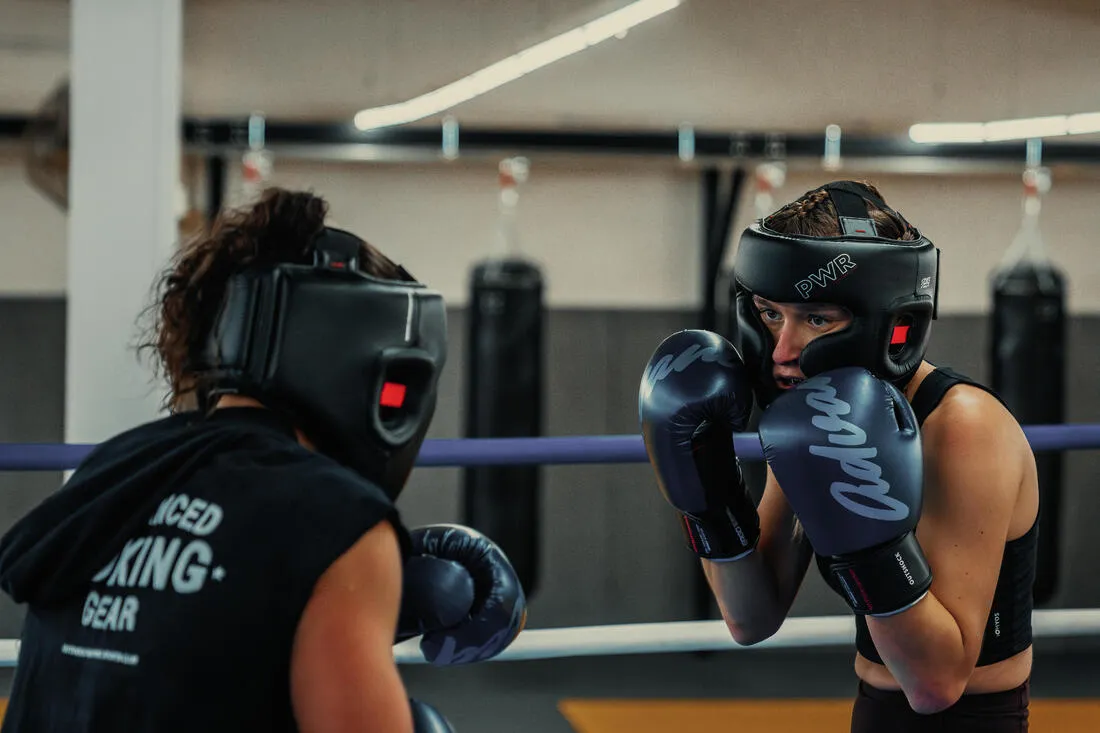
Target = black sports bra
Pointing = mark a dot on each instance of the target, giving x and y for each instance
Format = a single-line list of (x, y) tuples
[(1008, 628)]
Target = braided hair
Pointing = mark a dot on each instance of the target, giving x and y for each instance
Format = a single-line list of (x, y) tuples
[(814, 215)]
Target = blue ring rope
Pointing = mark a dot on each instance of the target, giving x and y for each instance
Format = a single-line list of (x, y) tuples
[(580, 449)]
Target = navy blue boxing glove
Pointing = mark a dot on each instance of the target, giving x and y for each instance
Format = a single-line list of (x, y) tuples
[(845, 448), (427, 719), (461, 594), (695, 394), (437, 594)]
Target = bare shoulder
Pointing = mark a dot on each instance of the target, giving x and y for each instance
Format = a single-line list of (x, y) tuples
[(975, 453), (343, 676), (971, 421), (369, 568), (360, 591)]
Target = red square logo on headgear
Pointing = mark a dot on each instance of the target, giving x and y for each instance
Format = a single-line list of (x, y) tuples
[(393, 394), (900, 335)]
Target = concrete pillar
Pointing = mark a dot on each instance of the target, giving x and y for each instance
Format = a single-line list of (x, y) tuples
[(123, 184)]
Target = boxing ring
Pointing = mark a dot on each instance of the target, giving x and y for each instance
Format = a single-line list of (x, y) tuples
[(620, 639)]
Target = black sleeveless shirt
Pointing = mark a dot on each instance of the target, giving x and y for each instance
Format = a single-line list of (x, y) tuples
[(164, 583), (1008, 628)]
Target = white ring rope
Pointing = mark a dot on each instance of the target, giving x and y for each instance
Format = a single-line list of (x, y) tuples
[(691, 636), (698, 636)]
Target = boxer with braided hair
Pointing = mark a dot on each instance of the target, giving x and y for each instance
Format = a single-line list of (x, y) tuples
[(912, 485)]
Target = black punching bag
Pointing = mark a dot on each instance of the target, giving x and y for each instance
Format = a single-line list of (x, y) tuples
[(1029, 364), (504, 400)]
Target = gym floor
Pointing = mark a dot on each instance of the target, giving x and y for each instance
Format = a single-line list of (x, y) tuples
[(771, 691)]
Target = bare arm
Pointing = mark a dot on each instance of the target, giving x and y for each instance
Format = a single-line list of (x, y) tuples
[(975, 456), (343, 675), (756, 592)]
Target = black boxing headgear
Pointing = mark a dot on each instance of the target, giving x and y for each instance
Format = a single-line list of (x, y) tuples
[(890, 286), (352, 360)]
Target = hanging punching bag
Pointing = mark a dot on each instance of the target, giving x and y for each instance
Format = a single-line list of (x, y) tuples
[(1029, 363), (504, 377)]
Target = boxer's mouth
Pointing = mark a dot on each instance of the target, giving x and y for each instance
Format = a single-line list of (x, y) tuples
[(788, 382)]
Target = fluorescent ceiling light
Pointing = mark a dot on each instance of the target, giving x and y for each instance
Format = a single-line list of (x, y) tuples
[(942, 132), (999, 130), (1083, 124), (1025, 128), (515, 66)]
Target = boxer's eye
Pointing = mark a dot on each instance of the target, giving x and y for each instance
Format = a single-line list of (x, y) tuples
[(768, 314)]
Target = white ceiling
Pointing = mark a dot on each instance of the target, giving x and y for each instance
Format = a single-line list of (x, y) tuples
[(795, 65)]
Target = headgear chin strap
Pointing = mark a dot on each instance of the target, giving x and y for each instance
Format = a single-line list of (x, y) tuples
[(353, 360), (890, 286)]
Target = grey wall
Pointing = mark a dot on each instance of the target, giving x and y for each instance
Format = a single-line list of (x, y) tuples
[(32, 408), (611, 549)]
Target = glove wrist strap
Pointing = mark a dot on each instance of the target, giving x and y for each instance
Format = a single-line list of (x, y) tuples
[(723, 534), (883, 580), (730, 527)]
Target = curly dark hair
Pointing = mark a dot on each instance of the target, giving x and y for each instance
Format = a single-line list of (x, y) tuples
[(278, 228), (814, 215)]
